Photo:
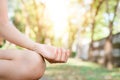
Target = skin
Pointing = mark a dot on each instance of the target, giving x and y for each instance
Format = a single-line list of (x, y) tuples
[(24, 64)]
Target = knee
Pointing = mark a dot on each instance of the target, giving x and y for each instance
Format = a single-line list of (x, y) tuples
[(33, 65)]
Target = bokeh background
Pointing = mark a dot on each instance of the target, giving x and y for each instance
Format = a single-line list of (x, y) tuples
[(89, 28)]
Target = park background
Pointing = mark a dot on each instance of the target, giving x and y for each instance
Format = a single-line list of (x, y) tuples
[(89, 28)]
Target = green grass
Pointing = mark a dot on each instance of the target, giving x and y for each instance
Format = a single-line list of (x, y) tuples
[(76, 69)]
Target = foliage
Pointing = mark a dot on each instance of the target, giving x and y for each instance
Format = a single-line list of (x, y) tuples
[(33, 17)]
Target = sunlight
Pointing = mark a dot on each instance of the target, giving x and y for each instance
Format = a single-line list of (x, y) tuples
[(57, 11)]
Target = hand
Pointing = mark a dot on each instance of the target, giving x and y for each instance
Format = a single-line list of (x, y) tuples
[(52, 54)]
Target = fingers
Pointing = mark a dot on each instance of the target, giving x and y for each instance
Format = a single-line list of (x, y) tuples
[(53, 54), (59, 54), (62, 55)]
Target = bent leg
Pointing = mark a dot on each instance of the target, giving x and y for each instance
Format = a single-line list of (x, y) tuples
[(21, 65)]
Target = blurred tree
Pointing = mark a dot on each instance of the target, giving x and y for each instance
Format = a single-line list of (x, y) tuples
[(39, 10), (94, 12), (72, 29), (74, 22), (27, 20), (18, 20), (108, 44)]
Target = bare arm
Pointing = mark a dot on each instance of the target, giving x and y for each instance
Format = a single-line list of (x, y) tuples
[(10, 33)]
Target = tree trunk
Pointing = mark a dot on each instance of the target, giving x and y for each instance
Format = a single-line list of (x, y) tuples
[(38, 20), (90, 56), (108, 44), (71, 37), (26, 15)]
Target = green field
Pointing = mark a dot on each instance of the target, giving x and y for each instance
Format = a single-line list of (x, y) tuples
[(76, 69)]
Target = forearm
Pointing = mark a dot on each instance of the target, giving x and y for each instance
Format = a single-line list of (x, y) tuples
[(10, 33)]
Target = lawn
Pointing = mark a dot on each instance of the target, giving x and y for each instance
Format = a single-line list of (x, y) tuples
[(76, 69)]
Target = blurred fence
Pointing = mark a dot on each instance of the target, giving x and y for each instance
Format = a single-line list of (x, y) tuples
[(98, 50)]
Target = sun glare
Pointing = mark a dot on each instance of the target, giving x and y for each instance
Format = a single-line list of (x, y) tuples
[(57, 11)]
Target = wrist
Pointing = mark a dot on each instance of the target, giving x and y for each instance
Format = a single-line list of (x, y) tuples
[(37, 48)]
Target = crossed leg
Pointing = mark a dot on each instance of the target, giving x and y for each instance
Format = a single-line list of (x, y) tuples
[(21, 65)]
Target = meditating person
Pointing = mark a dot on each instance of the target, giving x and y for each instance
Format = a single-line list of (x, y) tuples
[(27, 64)]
